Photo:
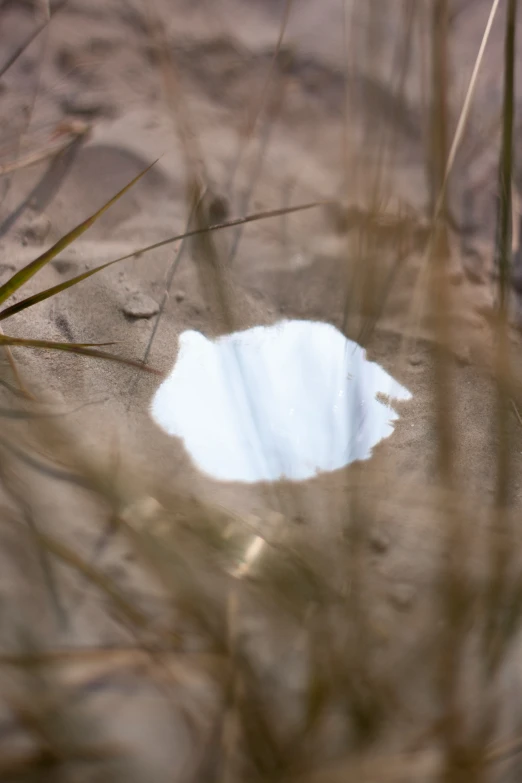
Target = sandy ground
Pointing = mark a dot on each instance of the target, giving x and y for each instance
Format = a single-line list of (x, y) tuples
[(98, 61)]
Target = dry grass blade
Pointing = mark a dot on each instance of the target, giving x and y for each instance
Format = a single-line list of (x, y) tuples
[(45, 8), (30, 38), (19, 498), (82, 667), (75, 348), (412, 768), (253, 115), (500, 546), (175, 98), (421, 286), (46, 468), (23, 275), (273, 111), (174, 265), (264, 215), (504, 750), (57, 289), (505, 222), (104, 584), (72, 132), (13, 413), (26, 764), (124, 656), (58, 741), (16, 373), (463, 118)]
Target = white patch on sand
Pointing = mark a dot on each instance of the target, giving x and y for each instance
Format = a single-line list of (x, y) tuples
[(288, 400)]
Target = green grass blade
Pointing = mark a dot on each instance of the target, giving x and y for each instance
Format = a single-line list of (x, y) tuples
[(23, 275), (255, 216), (23, 304), (81, 349)]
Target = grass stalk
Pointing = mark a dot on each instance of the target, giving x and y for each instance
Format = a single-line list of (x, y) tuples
[(500, 544)]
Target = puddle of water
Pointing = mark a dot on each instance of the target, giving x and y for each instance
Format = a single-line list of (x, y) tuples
[(288, 400)]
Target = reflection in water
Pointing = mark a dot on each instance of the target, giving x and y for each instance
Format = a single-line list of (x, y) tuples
[(287, 400)]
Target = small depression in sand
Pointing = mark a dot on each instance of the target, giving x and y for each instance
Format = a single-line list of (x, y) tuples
[(284, 401)]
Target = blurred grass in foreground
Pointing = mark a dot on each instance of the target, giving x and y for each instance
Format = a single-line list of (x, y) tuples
[(288, 651)]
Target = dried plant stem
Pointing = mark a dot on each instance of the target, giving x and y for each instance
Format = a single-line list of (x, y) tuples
[(247, 132), (438, 260), (74, 131), (195, 163), (45, 7), (421, 285), (500, 544), (31, 37), (464, 114), (16, 373), (505, 224), (439, 123), (453, 588), (274, 109)]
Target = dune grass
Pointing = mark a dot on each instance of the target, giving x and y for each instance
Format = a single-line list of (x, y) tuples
[(307, 594)]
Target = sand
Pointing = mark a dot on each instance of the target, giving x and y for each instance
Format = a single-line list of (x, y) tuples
[(98, 62)]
